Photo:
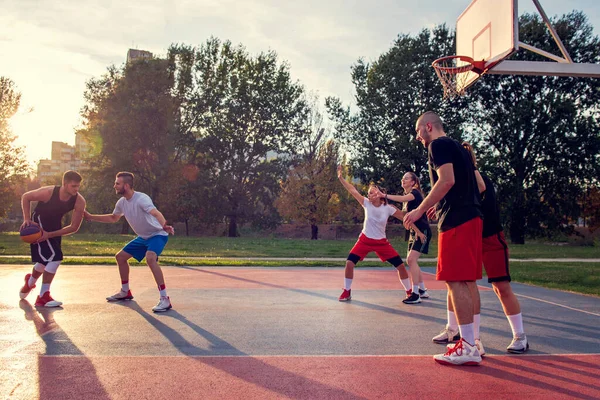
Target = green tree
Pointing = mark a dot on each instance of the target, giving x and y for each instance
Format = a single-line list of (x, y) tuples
[(310, 193), (391, 93), (14, 169), (241, 113), (131, 115), (539, 136)]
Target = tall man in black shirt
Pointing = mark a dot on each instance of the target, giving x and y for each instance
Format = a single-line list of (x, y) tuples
[(454, 199)]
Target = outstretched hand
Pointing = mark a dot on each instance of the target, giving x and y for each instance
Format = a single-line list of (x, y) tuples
[(169, 229)]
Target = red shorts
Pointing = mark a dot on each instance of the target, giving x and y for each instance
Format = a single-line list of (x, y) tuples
[(495, 258), (381, 247), (459, 252)]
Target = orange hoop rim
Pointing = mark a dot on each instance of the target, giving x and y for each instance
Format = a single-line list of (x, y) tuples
[(475, 66)]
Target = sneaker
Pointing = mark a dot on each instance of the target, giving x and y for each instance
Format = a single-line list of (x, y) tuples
[(47, 301), (462, 353), (413, 298), (519, 345), (163, 305), (120, 296), (423, 293), (447, 336), (26, 288), (345, 296), (477, 343)]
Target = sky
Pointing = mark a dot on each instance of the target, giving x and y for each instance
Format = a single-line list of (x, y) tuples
[(50, 49)]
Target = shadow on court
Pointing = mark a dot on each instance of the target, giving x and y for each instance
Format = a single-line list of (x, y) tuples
[(55, 379)]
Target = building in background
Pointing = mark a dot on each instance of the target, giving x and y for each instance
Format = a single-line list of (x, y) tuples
[(64, 157), (134, 54)]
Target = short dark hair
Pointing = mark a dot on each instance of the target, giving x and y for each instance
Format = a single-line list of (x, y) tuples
[(127, 178), (71, 176)]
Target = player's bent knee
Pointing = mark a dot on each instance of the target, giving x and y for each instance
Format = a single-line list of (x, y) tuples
[(122, 256), (151, 257), (52, 267), (396, 261), (353, 258)]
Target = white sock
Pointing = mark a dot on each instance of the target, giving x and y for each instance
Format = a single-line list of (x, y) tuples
[(452, 321), (405, 283), (516, 324), (347, 283), (415, 289), (476, 322), (422, 285), (31, 281), (163, 293), (125, 286), (467, 333), (45, 288)]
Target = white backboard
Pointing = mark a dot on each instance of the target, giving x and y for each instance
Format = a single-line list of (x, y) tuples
[(488, 30)]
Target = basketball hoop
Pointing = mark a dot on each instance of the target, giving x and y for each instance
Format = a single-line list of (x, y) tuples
[(454, 72)]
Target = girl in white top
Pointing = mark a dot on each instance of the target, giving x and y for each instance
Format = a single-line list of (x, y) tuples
[(372, 237)]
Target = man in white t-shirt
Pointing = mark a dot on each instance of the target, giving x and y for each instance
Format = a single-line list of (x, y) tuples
[(153, 233)]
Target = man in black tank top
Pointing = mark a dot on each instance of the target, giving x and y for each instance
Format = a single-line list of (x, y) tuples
[(53, 203)]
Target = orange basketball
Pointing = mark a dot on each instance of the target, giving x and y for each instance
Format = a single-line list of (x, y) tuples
[(31, 233)]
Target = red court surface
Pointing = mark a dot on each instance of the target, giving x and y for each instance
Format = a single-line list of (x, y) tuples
[(266, 333)]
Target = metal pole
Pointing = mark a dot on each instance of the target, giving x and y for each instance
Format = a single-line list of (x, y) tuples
[(559, 42)]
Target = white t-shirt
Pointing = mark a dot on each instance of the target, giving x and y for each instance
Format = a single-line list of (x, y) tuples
[(376, 219), (137, 212)]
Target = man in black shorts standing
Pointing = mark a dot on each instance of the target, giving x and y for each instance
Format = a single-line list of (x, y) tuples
[(53, 203)]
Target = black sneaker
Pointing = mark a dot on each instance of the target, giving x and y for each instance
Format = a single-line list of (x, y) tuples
[(412, 299), (423, 293)]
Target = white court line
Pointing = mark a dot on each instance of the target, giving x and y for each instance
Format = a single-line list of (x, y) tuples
[(542, 301), (557, 304)]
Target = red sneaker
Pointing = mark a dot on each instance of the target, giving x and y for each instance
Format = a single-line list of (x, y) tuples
[(345, 296), (26, 288), (47, 301)]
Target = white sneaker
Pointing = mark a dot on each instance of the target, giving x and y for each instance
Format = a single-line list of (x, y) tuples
[(447, 336), (477, 343), (120, 296), (462, 353), (163, 305), (519, 345)]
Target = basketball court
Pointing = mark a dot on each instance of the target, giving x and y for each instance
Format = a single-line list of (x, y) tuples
[(280, 333), (266, 333)]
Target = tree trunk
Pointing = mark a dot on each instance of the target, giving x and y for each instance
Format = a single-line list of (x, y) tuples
[(124, 227), (517, 219), (232, 226), (314, 232), (187, 227)]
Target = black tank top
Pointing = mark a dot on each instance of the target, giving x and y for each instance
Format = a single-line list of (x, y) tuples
[(49, 214)]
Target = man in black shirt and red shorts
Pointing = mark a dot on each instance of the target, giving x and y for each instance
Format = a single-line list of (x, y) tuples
[(454, 198)]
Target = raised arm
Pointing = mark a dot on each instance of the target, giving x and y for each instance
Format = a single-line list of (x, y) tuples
[(349, 187)]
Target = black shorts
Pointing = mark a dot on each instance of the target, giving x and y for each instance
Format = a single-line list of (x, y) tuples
[(415, 243), (47, 251)]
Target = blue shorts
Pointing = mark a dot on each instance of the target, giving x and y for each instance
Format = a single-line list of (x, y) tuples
[(138, 246)]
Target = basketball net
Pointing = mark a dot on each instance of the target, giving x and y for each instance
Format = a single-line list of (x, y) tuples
[(453, 72)]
